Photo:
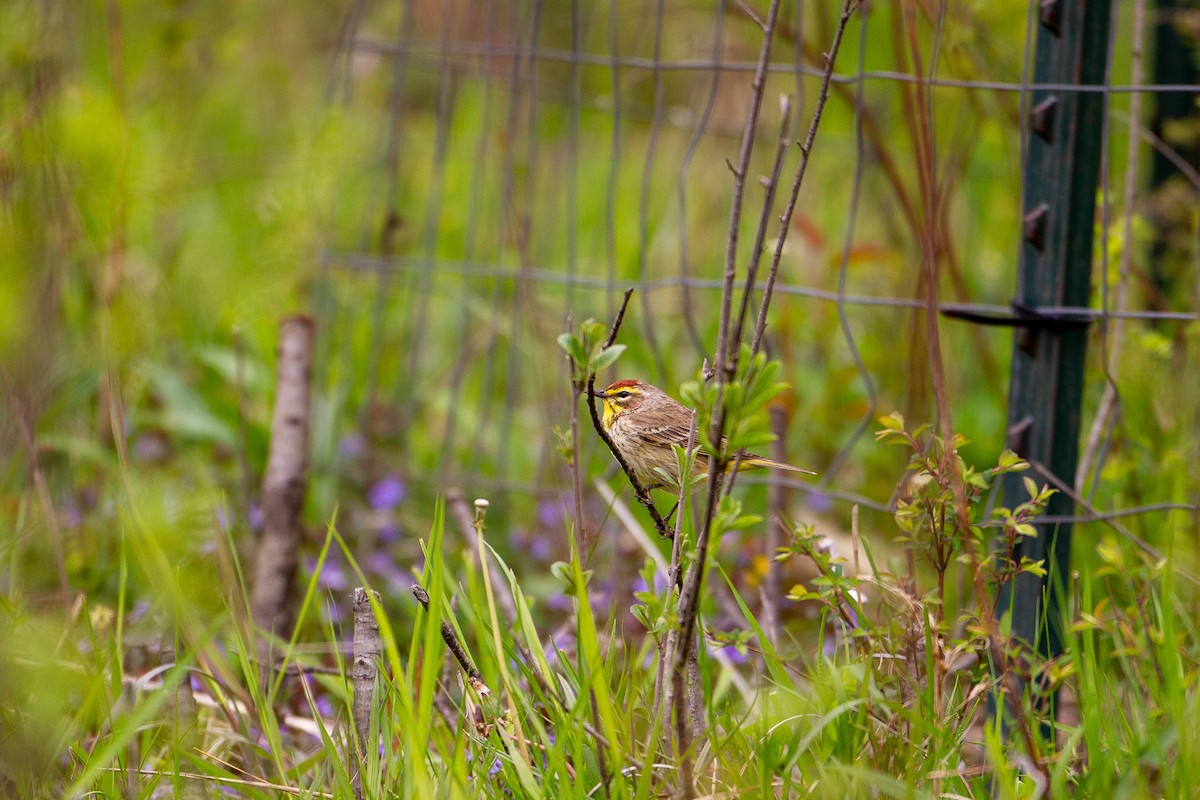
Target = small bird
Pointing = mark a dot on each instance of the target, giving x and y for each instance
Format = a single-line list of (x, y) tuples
[(643, 422)]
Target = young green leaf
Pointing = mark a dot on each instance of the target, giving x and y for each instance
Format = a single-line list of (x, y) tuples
[(606, 357), (574, 348)]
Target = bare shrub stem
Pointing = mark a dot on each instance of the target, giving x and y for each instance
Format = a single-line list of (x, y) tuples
[(725, 363)]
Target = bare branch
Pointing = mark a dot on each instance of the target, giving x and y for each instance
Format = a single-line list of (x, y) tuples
[(805, 152), (474, 677), (726, 352), (760, 237)]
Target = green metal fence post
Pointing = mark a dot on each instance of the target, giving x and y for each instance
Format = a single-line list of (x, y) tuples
[(1045, 392)]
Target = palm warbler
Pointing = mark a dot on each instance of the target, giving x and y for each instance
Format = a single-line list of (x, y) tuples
[(643, 422)]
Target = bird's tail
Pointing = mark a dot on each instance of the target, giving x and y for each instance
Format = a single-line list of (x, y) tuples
[(758, 462)]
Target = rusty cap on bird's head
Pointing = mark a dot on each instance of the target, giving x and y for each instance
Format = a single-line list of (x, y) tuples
[(616, 387)]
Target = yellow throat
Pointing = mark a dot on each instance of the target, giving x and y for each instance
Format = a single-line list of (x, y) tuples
[(611, 410)]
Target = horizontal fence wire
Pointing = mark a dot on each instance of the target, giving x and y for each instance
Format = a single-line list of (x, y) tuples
[(370, 264), (436, 51), (521, 245)]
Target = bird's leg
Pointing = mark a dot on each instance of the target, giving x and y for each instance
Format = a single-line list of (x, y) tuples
[(671, 513)]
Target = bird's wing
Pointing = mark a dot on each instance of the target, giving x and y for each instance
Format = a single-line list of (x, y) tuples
[(666, 435), (675, 433)]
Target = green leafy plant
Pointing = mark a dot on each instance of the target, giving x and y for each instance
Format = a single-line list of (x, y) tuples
[(587, 352)]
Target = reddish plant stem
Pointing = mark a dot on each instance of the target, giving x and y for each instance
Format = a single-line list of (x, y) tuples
[(924, 146)]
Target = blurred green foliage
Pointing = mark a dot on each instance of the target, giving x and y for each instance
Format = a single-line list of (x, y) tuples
[(177, 176)]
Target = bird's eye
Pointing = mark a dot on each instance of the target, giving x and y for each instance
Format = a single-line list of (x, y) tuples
[(622, 394)]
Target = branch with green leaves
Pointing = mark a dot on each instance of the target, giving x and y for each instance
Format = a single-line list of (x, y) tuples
[(589, 354)]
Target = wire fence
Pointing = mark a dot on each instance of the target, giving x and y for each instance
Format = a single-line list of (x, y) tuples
[(528, 161)]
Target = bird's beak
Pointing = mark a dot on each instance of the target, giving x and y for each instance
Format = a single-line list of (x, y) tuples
[(603, 393)]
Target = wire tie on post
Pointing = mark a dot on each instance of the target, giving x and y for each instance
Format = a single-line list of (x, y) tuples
[(1024, 317)]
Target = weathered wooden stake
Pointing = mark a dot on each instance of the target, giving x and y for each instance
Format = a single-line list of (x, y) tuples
[(364, 673), (284, 484)]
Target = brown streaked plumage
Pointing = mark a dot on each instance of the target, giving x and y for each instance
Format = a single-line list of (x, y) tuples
[(643, 422)]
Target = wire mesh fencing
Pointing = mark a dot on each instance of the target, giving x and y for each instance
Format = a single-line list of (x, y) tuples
[(520, 164)]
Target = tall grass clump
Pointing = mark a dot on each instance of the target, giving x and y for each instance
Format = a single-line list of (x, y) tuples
[(888, 695)]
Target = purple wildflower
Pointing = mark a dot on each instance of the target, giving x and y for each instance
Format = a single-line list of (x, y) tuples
[(559, 602), (381, 563), (660, 583), (139, 610), (387, 493), (563, 642), (351, 446), (820, 502), (730, 652), (151, 447), (332, 576), (552, 513), (254, 516), (389, 533), (540, 547), (72, 516)]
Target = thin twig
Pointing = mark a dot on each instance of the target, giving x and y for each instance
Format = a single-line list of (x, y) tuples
[(639, 491), (724, 368), (474, 677), (785, 219), (764, 220), (768, 204), (666, 686), (721, 361)]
